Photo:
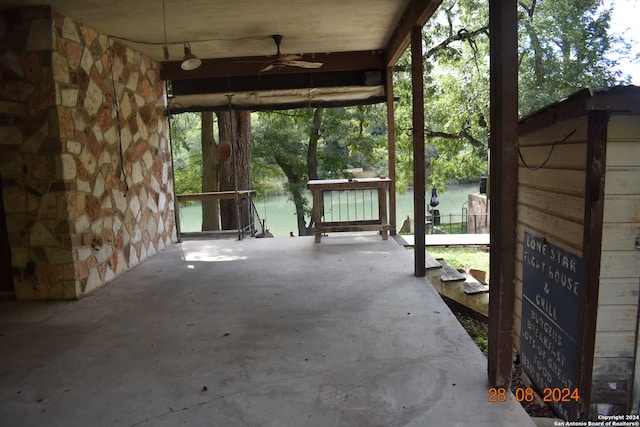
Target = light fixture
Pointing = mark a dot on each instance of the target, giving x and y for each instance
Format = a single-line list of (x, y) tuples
[(189, 61)]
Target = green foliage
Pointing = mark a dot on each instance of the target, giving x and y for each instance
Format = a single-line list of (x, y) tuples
[(563, 46), (187, 152), (347, 138), (463, 258), (280, 140), (476, 328)]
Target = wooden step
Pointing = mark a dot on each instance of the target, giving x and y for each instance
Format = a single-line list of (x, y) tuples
[(472, 286), (450, 274), (430, 262)]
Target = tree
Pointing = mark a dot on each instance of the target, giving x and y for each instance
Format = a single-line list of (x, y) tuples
[(563, 46), (318, 144), (197, 167), (210, 181), (235, 129), (187, 152)]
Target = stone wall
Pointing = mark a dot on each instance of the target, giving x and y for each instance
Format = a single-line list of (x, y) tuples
[(85, 162)]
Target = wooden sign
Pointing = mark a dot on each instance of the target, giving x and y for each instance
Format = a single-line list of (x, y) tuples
[(550, 322)]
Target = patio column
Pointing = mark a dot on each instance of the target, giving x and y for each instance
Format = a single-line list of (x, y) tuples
[(503, 186), (417, 70), (391, 148)]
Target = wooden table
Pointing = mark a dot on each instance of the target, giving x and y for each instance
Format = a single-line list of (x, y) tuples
[(321, 225)]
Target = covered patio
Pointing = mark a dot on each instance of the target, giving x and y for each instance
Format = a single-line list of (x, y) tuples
[(346, 332), (260, 332)]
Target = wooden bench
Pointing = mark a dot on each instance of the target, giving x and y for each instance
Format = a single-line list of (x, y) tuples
[(323, 225)]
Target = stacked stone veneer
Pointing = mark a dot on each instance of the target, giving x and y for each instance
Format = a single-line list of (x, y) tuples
[(85, 158)]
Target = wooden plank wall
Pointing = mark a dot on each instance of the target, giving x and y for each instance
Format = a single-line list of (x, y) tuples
[(617, 320), (551, 199)]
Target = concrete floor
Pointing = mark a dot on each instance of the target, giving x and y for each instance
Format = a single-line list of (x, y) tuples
[(260, 332)]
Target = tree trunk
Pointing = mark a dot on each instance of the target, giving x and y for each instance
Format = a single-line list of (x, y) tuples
[(298, 200), (235, 172), (296, 188), (312, 151), (538, 70), (210, 209)]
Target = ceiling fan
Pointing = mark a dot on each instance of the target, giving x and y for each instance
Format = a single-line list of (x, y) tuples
[(282, 60)]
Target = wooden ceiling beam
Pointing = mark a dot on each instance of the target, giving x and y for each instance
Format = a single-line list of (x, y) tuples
[(278, 82), (417, 13), (251, 66)]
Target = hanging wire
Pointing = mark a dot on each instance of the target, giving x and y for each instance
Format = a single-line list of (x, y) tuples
[(176, 203), (165, 49), (544, 162), (235, 172), (123, 173)]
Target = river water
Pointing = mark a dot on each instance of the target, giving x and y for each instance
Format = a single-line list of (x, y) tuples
[(280, 214)]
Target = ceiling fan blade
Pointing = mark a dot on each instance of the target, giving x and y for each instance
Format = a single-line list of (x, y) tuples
[(305, 64), (267, 68)]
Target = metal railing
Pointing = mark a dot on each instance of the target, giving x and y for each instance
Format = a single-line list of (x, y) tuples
[(248, 219), (350, 205)]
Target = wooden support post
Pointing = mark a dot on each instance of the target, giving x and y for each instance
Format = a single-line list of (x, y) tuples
[(318, 208), (592, 251), (503, 173), (391, 149), (417, 91)]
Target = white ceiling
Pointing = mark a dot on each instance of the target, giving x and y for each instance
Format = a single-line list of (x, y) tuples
[(346, 36), (236, 28)]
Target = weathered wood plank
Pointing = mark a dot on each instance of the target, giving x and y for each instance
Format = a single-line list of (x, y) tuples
[(617, 318), (621, 154), (619, 236), (622, 291), (615, 344), (216, 195), (430, 262), (448, 273), (621, 180), (517, 323), (478, 303), (611, 379), (602, 392), (562, 181), (564, 156), (352, 228), (561, 205), (623, 127), (503, 97), (557, 132), (575, 247), (623, 208), (450, 239), (472, 286), (620, 264), (615, 368), (556, 229), (518, 290)]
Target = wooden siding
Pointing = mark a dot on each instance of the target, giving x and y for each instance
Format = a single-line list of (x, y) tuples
[(551, 199), (617, 317)]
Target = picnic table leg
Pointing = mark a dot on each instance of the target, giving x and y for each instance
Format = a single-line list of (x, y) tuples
[(382, 211), (317, 214)]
